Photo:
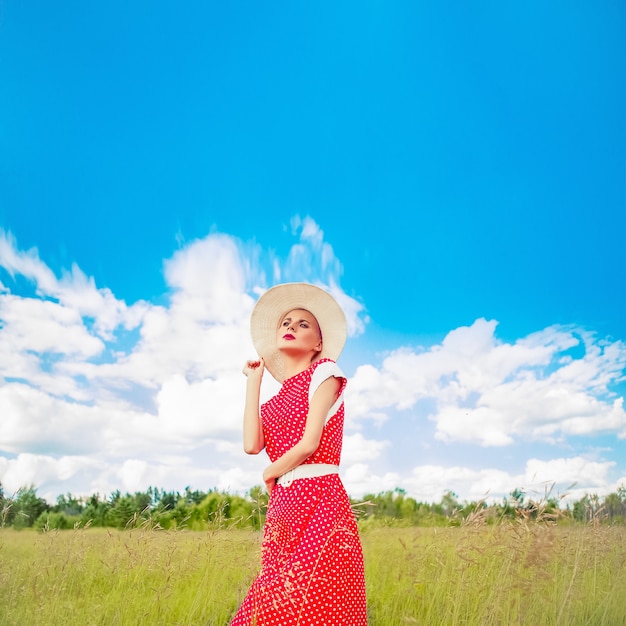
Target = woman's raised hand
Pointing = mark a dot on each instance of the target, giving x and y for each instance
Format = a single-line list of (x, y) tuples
[(254, 369)]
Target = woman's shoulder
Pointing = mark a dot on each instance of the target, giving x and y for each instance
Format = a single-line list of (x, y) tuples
[(323, 369), (319, 362)]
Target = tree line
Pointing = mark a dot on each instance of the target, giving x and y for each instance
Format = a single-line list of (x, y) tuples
[(199, 510)]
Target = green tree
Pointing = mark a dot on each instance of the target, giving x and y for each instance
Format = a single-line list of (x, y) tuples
[(194, 497), (615, 505), (5, 508), (121, 512), (449, 503), (51, 520), (27, 507), (214, 509), (68, 505), (95, 511)]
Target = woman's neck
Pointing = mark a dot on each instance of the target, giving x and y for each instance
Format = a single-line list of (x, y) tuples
[(294, 365)]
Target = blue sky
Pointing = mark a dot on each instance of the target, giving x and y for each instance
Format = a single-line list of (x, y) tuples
[(456, 175)]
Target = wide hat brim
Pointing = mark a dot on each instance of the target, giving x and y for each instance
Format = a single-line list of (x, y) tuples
[(276, 302)]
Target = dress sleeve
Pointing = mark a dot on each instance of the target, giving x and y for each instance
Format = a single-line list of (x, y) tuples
[(322, 372)]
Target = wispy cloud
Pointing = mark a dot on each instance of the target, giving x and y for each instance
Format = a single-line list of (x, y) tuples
[(73, 290)]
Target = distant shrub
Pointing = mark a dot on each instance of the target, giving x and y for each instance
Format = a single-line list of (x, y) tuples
[(55, 521)]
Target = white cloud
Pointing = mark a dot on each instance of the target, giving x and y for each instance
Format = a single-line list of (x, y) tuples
[(195, 410), (358, 449), (32, 469), (538, 481), (312, 251), (36, 335), (84, 476), (33, 420), (25, 263), (492, 393), (174, 475), (208, 281), (572, 470), (428, 483), (360, 480), (33, 325)]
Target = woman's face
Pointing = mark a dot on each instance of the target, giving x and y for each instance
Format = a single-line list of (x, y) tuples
[(299, 332)]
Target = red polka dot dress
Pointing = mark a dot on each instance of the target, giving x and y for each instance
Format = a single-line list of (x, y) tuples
[(311, 561)]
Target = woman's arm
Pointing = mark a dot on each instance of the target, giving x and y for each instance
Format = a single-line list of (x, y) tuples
[(253, 441), (321, 402)]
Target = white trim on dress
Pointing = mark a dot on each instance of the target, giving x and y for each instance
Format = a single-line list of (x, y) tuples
[(322, 372)]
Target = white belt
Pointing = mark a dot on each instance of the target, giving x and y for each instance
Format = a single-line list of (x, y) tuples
[(311, 470)]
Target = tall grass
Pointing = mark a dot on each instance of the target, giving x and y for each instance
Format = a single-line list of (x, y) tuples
[(99, 576), (525, 572), (504, 574)]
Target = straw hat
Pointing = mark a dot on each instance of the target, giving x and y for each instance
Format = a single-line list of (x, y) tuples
[(276, 302)]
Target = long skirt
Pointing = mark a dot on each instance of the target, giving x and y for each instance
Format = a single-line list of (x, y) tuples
[(311, 561)]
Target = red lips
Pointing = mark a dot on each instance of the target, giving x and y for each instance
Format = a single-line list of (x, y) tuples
[(288, 336)]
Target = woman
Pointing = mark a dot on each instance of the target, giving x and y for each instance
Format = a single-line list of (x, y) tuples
[(311, 562)]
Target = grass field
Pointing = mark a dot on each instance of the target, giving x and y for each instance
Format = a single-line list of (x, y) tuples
[(477, 574)]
